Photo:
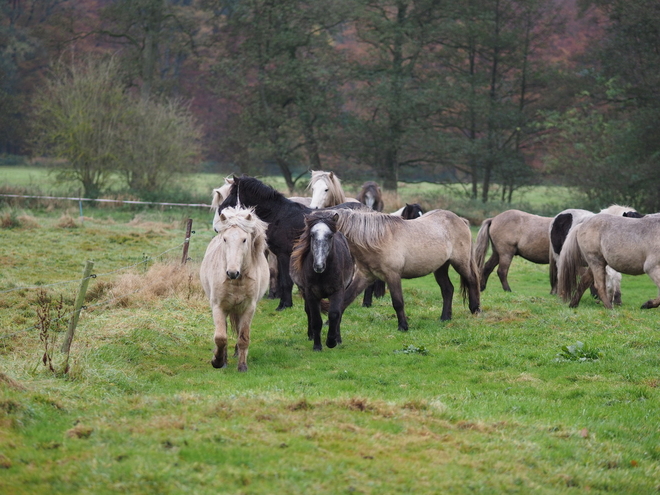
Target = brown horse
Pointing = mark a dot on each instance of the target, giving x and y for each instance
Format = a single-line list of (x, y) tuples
[(371, 195), (390, 248), (511, 233), (234, 275), (628, 245)]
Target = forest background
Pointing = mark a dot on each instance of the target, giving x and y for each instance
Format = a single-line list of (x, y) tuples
[(494, 94)]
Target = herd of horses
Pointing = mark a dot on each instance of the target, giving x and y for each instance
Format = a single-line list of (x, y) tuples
[(333, 248)]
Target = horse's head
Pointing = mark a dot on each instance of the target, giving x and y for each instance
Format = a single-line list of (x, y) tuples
[(243, 234), (321, 230), (326, 190), (371, 195)]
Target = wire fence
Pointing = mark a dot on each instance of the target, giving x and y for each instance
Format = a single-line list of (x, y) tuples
[(105, 200)]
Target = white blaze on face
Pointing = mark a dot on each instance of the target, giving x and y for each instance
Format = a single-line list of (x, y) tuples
[(321, 237), (369, 198), (319, 195)]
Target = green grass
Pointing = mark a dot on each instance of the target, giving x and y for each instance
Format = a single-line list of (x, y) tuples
[(490, 408)]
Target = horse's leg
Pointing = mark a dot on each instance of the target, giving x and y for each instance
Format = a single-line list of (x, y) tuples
[(586, 281), (446, 289), (503, 270), (368, 296), (315, 321), (334, 320), (243, 336), (220, 337), (396, 292), (490, 265), (285, 284), (653, 271), (598, 272)]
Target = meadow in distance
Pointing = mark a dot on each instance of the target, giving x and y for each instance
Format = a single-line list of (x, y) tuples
[(505, 401)]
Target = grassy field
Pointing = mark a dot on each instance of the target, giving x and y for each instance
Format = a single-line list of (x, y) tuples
[(480, 404)]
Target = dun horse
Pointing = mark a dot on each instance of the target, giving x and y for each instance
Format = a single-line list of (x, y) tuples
[(322, 266), (511, 233), (390, 249), (234, 275), (562, 224), (628, 245), (377, 289)]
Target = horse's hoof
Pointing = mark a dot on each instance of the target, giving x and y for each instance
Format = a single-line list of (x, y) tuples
[(646, 305), (318, 349), (242, 368), (282, 307), (331, 343), (218, 364), (403, 328), (366, 305)]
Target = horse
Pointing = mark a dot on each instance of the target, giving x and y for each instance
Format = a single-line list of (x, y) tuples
[(561, 225), (389, 248), (218, 196), (628, 245), (322, 266), (511, 233), (377, 289), (371, 195), (409, 211), (234, 275), (326, 191), (286, 221)]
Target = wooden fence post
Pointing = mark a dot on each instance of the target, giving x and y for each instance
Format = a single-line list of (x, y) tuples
[(186, 242), (80, 299)]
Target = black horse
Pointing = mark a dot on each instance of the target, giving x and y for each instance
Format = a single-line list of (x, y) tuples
[(377, 289), (286, 221), (412, 211), (322, 266)]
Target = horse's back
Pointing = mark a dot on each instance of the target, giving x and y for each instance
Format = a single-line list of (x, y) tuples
[(626, 244), (526, 234)]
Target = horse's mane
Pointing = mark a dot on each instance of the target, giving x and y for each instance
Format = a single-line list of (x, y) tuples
[(245, 219), (366, 229), (335, 190), (303, 244), (255, 187)]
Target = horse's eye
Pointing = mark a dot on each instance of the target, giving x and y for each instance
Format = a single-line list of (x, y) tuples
[(244, 241), (326, 189)]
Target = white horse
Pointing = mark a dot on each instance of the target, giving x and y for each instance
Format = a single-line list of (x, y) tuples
[(326, 191), (234, 274)]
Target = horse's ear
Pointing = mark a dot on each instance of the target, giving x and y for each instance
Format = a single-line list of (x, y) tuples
[(248, 217), (335, 217), (223, 218), (331, 175)]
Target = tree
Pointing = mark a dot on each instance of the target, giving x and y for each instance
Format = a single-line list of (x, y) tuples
[(77, 118), (94, 128), (494, 58), (159, 141), (280, 75), (395, 93)]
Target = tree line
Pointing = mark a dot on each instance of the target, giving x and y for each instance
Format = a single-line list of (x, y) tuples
[(472, 91)]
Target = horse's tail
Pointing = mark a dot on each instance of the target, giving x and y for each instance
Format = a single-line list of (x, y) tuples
[(470, 285), (569, 264), (481, 245), (552, 272)]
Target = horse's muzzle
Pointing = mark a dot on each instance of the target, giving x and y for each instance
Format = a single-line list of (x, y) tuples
[(319, 268), (233, 275)]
